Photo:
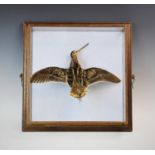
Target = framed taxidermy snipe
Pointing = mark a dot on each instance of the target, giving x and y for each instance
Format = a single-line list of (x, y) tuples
[(77, 77)]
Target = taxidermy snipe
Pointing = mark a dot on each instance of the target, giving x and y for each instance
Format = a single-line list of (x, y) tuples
[(77, 78)]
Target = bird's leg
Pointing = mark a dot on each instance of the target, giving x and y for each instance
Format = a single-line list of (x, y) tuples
[(80, 99)]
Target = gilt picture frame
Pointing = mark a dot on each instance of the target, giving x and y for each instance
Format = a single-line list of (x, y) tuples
[(106, 106)]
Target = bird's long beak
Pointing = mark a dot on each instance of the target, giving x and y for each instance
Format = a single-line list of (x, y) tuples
[(82, 47)]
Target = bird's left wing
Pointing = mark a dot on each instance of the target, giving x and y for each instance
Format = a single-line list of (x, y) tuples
[(96, 75), (50, 74)]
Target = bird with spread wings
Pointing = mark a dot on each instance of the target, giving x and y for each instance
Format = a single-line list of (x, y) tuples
[(77, 78)]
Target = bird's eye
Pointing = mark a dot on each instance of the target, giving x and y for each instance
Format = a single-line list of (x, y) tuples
[(73, 53)]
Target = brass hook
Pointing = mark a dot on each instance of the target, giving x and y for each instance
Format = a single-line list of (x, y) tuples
[(133, 80), (21, 78)]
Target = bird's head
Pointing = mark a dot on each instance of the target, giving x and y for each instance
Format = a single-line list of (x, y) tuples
[(75, 52)]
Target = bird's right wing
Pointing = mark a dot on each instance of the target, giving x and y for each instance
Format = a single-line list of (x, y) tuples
[(50, 74), (97, 75)]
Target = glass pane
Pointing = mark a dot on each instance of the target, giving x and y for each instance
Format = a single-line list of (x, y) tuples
[(51, 46)]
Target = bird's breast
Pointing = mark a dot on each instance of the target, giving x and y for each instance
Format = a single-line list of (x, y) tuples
[(76, 76)]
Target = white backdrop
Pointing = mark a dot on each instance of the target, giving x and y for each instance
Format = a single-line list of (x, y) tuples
[(52, 47)]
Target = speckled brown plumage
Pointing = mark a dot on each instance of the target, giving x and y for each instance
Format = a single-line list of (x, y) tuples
[(77, 78)]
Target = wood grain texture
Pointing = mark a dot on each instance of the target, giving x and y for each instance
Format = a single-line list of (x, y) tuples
[(29, 125)]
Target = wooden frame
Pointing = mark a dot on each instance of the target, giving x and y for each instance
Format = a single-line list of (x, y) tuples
[(29, 125)]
